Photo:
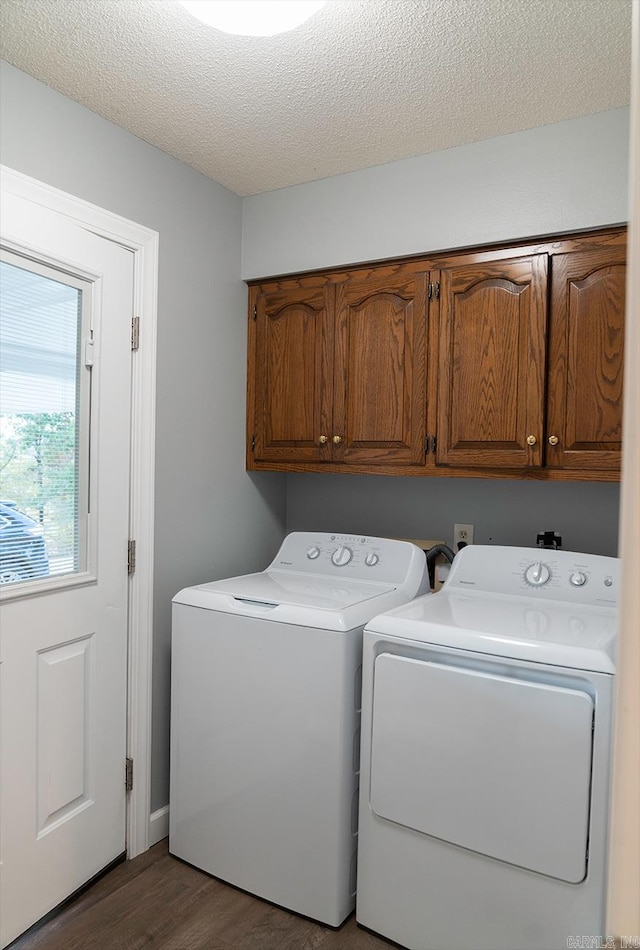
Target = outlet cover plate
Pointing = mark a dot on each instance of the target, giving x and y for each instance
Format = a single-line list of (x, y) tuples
[(462, 532)]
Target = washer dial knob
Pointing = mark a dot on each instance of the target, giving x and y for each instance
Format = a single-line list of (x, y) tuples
[(313, 552), (537, 574), (341, 556), (578, 579), (371, 559)]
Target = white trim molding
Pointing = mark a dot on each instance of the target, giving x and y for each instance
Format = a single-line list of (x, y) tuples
[(143, 243), (158, 825), (623, 903)]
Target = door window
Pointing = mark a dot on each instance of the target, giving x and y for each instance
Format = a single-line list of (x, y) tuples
[(45, 357)]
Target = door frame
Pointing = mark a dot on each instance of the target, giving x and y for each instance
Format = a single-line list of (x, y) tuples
[(623, 908), (143, 243)]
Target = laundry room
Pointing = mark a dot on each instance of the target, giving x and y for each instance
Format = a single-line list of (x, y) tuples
[(245, 215)]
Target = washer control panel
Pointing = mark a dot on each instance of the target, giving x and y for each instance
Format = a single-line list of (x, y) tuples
[(587, 579), (358, 557)]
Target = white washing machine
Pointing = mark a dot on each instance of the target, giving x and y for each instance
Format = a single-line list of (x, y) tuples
[(265, 715), (486, 725)]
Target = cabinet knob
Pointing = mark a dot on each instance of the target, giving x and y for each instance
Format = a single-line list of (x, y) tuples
[(323, 440), (531, 440), (553, 440), (337, 439)]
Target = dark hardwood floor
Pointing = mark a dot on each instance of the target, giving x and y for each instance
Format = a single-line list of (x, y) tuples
[(157, 901)]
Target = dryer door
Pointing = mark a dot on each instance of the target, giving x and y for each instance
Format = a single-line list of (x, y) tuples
[(496, 764)]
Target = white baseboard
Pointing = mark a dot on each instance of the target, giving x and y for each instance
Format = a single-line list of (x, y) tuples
[(158, 825)]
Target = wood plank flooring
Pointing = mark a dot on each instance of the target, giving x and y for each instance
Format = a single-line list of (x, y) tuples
[(157, 901)]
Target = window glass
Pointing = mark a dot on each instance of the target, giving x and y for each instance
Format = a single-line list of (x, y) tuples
[(43, 422)]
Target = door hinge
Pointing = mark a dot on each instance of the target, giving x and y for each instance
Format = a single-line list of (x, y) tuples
[(434, 290), (255, 311), (135, 333), (131, 556), (128, 774), (253, 443)]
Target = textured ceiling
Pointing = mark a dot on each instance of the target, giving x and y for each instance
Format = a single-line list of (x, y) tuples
[(362, 83)]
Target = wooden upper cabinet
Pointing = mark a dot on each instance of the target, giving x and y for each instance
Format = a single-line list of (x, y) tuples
[(379, 379), (586, 356), (289, 387), (493, 317), (500, 362), (337, 369)]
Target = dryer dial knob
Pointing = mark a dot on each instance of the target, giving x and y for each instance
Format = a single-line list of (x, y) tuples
[(341, 556), (313, 553), (371, 559), (537, 574), (578, 579)]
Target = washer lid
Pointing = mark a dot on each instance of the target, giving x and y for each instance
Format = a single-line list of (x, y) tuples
[(514, 627), (291, 597)]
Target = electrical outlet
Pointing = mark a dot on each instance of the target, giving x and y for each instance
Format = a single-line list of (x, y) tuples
[(462, 533)]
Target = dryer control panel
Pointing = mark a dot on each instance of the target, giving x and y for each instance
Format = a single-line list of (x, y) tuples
[(585, 579)]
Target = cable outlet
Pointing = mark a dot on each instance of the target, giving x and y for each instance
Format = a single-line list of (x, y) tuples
[(462, 534)]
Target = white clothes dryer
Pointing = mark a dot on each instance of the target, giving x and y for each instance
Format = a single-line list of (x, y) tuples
[(265, 715), (486, 727)]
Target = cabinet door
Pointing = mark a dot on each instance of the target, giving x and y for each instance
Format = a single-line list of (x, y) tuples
[(380, 372), (492, 363), (290, 348), (586, 355)]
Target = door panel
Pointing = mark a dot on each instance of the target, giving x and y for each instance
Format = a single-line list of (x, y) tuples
[(63, 638), (586, 360), (492, 363), (495, 764), (293, 393), (380, 369), (65, 700)]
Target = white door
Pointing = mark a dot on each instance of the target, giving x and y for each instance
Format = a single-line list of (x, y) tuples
[(63, 635)]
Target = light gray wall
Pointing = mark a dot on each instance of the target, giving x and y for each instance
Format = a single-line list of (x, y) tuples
[(503, 511), (212, 519), (562, 177)]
